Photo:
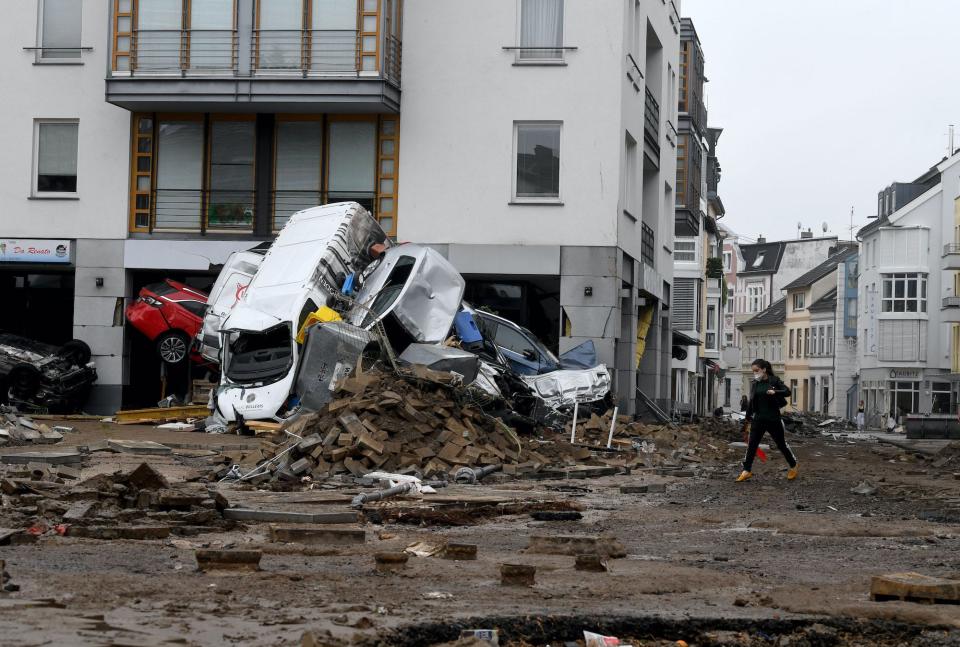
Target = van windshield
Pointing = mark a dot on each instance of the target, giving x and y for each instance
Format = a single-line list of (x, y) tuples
[(260, 356), (391, 289)]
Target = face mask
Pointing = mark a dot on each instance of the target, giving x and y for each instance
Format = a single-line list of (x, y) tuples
[(757, 376)]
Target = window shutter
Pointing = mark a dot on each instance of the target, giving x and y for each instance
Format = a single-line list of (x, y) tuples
[(684, 303)]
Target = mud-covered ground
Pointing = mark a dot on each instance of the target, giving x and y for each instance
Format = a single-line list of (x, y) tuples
[(709, 561)]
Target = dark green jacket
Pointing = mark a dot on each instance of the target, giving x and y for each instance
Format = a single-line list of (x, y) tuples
[(763, 406)]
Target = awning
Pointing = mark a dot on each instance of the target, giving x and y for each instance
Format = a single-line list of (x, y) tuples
[(680, 339)]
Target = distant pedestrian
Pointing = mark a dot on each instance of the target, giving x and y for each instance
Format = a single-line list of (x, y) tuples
[(860, 416), (768, 394), (744, 403)]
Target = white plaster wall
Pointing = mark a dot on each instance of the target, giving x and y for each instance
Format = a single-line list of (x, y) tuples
[(61, 91), (461, 96), (799, 257)]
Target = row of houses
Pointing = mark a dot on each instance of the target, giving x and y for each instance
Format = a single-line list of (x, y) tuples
[(877, 322)]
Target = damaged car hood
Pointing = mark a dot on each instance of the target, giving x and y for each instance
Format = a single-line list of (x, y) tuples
[(562, 388), (418, 286)]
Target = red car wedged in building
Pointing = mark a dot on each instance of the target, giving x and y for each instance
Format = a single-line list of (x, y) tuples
[(169, 314)]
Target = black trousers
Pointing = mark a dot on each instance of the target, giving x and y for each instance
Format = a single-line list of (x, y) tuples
[(775, 428)]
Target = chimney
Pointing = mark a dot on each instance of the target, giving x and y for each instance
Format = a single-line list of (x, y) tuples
[(761, 240), (806, 234)]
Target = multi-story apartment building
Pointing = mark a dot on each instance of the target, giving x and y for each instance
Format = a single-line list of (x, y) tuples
[(732, 337), (908, 301), (62, 192), (539, 146), (813, 341)]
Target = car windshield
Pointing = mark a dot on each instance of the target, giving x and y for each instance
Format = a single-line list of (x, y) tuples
[(260, 356), (391, 289)]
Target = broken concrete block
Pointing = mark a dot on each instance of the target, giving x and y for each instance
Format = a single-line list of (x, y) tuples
[(50, 458), (590, 562), (301, 466), (146, 477), (79, 510), (174, 499), (390, 562), (575, 545), (460, 552), (517, 575), (914, 587), (138, 447), (228, 560), (556, 515), (318, 535)]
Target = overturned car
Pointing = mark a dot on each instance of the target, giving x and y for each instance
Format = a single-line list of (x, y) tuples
[(34, 375)]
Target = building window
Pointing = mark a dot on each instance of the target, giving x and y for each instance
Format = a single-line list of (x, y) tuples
[(904, 397), (541, 30), (727, 262), (806, 342), (904, 293), (685, 250), (779, 352), (60, 30), (728, 338), (536, 161), (941, 398), (793, 390), (55, 157), (758, 261), (815, 338), (711, 336), (632, 176), (647, 244), (822, 341), (755, 297), (798, 300)]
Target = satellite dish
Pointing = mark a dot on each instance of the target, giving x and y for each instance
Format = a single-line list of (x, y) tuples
[(825, 226), (799, 225)]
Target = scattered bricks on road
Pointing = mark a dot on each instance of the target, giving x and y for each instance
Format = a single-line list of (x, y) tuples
[(228, 560), (517, 575), (914, 587), (390, 562), (277, 516), (590, 562), (68, 473), (575, 545), (309, 444), (301, 466), (145, 477), (318, 535), (174, 500), (79, 510), (460, 552), (560, 515)]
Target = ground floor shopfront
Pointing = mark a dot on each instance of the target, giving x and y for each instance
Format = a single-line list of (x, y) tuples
[(891, 393)]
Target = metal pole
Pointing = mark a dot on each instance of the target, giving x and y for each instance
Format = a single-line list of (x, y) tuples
[(573, 429), (613, 424)]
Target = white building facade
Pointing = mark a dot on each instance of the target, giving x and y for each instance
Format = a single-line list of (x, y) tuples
[(538, 140)]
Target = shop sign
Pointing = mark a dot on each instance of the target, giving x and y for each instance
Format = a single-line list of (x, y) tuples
[(905, 374), (34, 250)]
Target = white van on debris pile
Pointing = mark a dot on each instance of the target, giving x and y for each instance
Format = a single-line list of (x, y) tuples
[(311, 258), (227, 292)]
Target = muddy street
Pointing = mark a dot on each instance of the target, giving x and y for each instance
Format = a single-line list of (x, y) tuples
[(700, 559)]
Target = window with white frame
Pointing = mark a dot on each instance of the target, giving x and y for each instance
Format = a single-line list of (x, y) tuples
[(822, 341), (830, 350), (779, 352), (731, 300), (728, 338), (536, 161), (791, 342), (711, 332), (541, 31), (55, 157), (755, 297), (798, 300), (59, 31), (813, 345), (685, 250), (904, 293), (727, 261)]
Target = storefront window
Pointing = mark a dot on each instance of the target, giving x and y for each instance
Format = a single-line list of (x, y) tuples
[(904, 398), (940, 398)]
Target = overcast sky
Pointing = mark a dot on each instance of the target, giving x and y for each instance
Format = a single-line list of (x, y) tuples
[(825, 102)]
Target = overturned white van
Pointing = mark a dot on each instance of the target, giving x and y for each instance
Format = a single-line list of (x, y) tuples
[(315, 252)]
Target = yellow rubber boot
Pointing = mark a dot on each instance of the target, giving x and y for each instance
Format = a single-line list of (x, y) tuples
[(744, 475), (792, 472)]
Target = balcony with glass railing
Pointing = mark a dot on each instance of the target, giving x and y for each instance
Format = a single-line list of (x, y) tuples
[(167, 53)]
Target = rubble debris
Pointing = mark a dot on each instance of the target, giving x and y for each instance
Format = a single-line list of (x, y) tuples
[(575, 545), (239, 514), (591, 562), (318, 535), (138, 447), (17, 430), (390, 562), (864, 488), (459, 552), (160, 415), (480, 637), (552, 515), (914, 587), (50, 458), (220, 561), (517, 575), (5, 583)]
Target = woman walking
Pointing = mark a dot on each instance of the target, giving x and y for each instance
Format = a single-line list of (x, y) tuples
[(767, 394)]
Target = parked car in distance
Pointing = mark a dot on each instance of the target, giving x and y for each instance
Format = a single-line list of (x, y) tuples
[(55, 378), (170, 314)]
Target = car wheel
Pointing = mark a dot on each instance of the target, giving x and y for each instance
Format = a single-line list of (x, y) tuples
[(75, 351), (24, 381), (173, 347)]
